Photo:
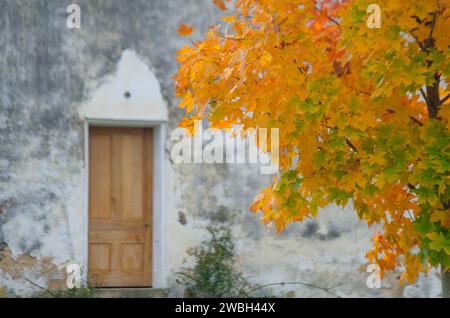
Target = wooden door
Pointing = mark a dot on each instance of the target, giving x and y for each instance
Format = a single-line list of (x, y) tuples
[(120, 207)]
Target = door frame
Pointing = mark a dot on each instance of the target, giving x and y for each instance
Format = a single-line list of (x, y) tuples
[(158, 193)]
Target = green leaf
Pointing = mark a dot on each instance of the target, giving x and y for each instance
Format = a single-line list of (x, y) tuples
[(423, 226), (439, 242)]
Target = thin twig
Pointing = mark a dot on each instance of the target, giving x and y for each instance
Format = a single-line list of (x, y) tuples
[(424, 95), (43, 288), (417, 41), (229, 37), (414, 119), (410, 215), (349, 143), (330, 18), (194, 44), (433, 24), (325, 289)]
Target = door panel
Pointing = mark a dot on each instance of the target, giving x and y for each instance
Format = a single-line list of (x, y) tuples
[(120, 220), (100, 175)]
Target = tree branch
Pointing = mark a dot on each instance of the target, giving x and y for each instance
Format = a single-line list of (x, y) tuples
[(417, 41), (429, 41), (433, 100), (442, 101), (424, 95)]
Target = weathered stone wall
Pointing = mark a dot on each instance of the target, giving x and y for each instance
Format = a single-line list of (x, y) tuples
[(50, 73)]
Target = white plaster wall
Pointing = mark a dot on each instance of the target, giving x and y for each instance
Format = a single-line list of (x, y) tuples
[(134, 77), (40, 230)]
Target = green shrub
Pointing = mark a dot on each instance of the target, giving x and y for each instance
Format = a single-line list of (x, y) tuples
[(213, 274)]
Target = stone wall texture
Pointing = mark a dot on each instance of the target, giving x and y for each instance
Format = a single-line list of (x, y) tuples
[(48, 72)]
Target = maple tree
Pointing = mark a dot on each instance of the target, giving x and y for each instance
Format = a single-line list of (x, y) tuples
[(363, 113)]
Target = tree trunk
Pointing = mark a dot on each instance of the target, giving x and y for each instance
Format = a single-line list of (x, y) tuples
[(445, 275)]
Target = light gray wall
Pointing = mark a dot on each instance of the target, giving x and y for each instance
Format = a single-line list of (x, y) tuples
[(48, 72)]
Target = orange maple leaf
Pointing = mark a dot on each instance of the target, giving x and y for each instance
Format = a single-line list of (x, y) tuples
[(184, 30), (220, 4)]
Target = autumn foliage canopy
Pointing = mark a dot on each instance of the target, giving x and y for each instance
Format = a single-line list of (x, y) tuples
[(363, 113)]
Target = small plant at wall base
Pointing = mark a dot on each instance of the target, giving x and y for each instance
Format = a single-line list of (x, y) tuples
[(83, 292), (363, 114), (213, 274)]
